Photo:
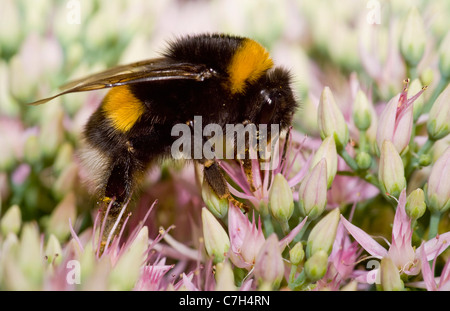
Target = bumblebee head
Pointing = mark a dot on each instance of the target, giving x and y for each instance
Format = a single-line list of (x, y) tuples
[(275, 99)]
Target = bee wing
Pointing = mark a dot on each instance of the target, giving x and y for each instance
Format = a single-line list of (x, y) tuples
[(159, 69)]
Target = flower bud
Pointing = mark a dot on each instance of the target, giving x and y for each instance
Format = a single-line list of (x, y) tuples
[(11, 221), (425, 159), (313, 191), (444, 56), (281, 200), (438, 187), (126, 271), (216, 239), (269, 266), (316, 266), (297, 254), (8, 105), (413, 38), (29, 252), (321, 237), (51, 135), (390, 276), (11, 31), (427, 76), (362, 114), (32, 153), (391, 171), (331, 120), (363, 160), (415, 204), (327, 150), (224, 277), (413, 89), (53, 251), (58, 223), (217, 206), (438, 125)]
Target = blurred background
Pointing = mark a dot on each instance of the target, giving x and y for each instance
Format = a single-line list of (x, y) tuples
[(44, 44)]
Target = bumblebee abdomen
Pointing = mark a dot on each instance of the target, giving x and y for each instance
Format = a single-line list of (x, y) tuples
[(122, 108)]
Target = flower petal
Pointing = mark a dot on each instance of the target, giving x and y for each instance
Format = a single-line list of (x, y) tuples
[(437, 245), (427, 274), (369, 244), (288, 238)]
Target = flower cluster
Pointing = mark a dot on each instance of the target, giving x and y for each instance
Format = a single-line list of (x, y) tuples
[(359, 198)]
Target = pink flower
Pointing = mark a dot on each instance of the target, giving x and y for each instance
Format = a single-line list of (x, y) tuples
[(260, 197), (401, 252), (396, 120), (428, 275), (152, 276), (247, 239)]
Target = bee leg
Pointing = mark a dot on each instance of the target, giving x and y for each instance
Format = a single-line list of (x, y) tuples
[(247, 161), (214, 177), (218, 184), (118, 190)]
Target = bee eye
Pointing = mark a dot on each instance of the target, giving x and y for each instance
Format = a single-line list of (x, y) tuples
[(268, 106)]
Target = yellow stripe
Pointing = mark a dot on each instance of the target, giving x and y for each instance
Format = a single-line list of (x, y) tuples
[(248, 64), (122, 108)]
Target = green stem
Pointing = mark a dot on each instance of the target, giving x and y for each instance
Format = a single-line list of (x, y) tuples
[(363, 146), (366, 175), (299, 236), (348, 159), (434, 224), (268, 226), (299, 281), (414, 163), (370, 178), (346, 173), (411, 72), (285, 227), (292, 274)]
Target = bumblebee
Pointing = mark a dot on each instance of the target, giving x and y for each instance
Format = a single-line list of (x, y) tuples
[(224, 79)]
